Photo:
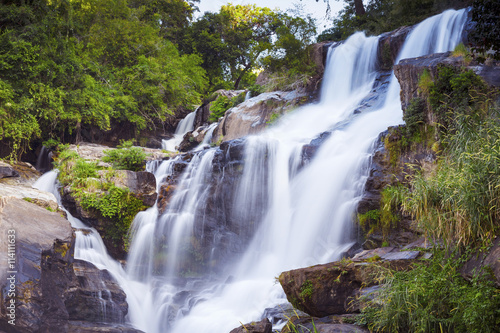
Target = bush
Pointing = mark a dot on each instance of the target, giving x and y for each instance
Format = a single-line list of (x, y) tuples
[(126, 157), (433, 297), (223, 103)]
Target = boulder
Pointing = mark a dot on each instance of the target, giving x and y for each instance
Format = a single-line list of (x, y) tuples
[(263, 326), (30, 194), (98, 298), (487, 262), (253, 115), (53, 292), (333, 324), (329, 289), (142, 184), (7, 170), (43, 246), (95, 152)]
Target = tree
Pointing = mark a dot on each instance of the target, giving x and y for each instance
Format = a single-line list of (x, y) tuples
[(235, 41)]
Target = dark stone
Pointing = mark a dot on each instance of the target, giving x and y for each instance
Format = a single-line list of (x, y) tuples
[(51, 287), (7, 170), (86, 327), (485, 263), (329, 289), (263, 326), (98, 298), (389, 45)]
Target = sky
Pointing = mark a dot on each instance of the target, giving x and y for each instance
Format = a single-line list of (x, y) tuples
[(316, 8)]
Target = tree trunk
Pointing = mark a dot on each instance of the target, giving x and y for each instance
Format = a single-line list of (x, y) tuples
[(359, 8)]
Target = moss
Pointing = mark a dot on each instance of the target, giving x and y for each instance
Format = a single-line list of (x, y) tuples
[(306, 290)]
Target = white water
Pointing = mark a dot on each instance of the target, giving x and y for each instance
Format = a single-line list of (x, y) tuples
[(184, 126), (307, 212)]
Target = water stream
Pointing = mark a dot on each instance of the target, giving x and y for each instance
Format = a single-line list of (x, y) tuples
[(300, 211)]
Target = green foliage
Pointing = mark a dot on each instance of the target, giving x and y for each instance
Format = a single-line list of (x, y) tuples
[(433, 297), (70, 69), (306, 290), (223, 103), (385, 218), (96, 193), (126, 157), (241, 38), (459, 202), (414, 116), (485, 37), (116, 204)]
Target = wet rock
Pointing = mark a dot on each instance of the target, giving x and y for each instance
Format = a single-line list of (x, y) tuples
[(330, 324), (86, 327), (389, 45), (98, 298), (189, 142), (328, 289), (263, 326), (282, 313)]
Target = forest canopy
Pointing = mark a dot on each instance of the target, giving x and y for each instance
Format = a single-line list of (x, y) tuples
[(73, 69)]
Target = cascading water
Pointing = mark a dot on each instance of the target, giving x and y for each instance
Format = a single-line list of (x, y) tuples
[(303, 209), (184, 126)]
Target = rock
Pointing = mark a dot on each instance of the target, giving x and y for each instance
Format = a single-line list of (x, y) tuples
[(142, 184), (86, 327), (82, 303), (282, 313), (263, 326), (330, 324), (19, 173), (251, 116), (52, 288), (328, 289), (95, 152), (389, 45), (189, 141), (408, 73), (30, 194), (6, 170), (44, 251), (487, 262)]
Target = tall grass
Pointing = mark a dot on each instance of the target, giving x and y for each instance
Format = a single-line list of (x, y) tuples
[(433, 297)]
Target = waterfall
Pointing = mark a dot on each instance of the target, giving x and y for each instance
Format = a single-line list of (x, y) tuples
[(184, 126), (300, 211)]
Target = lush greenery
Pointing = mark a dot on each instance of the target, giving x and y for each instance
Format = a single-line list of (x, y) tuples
[(433, 297), (456, 205), (126, 157), (73, 70), (92, 189), (223, 103)]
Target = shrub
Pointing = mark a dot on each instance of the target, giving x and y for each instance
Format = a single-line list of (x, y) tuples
[(433, 297), (126, 157)]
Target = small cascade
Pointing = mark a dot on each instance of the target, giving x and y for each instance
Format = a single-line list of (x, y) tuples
[(207, 139), (44, 161), (184, 126)]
